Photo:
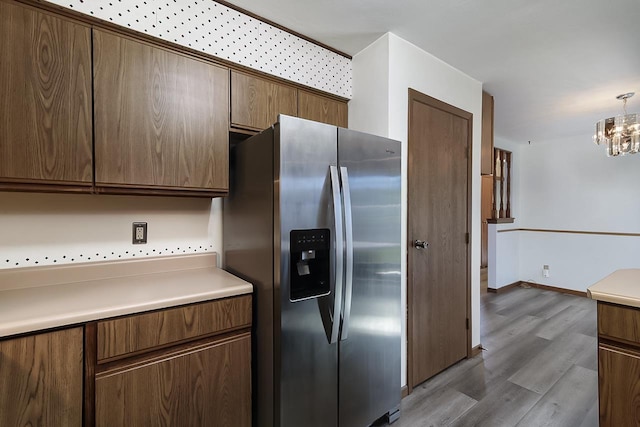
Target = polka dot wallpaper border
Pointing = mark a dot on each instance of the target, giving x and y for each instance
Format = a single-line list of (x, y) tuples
[(226, 33), (41, 256)]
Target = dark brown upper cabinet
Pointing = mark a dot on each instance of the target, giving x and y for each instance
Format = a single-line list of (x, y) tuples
[(256, 102), (322, 109), (88, 107), (45, 101), (161, 120), (486, 162)]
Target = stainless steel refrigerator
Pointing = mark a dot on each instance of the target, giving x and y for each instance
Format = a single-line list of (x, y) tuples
[(313, 221)]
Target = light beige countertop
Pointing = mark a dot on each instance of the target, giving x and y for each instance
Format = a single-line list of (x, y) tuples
[(620, 287), (37, 298)]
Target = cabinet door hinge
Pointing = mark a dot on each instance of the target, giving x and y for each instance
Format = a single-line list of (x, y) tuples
[(466, 238), (467, 323)]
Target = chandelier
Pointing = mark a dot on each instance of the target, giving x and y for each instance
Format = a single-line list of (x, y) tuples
[(621, 134)]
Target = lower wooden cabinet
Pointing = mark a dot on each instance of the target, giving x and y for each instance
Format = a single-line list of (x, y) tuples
[(196, 372), (41, 379), (205, 385), (618, 365), (619, 384), (182, 366)]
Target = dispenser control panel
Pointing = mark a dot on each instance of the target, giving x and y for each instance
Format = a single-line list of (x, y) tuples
[(310, 268)]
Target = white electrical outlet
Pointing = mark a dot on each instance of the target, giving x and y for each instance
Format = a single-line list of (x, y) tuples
[(139, 233), (545, 270)]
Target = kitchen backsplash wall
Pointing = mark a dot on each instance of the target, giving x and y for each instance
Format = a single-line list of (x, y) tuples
[(218, 30), (50, 229)]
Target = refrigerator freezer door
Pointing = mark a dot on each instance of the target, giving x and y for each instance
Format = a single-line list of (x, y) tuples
[(306, 364), (369, 373)]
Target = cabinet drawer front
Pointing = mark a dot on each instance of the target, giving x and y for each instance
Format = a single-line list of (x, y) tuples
[(619, 323), (142, 332), (207, 386)]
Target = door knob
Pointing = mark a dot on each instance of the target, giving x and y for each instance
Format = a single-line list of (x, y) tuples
[(419, 244)]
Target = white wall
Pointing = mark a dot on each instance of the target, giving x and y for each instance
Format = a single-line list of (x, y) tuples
[(569, 185), (410, 67), (503, 256), (576, 261), (369, 106), (46, 229)]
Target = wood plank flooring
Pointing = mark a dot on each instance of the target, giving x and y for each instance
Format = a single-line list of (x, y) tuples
[(539, 368)]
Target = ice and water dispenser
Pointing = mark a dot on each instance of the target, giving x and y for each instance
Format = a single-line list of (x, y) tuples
[(310, 268)]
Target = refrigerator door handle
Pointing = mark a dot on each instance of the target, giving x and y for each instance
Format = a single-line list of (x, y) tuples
[(348, 227), (337, 215)]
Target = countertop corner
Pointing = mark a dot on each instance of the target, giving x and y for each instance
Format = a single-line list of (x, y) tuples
[(620, 287)]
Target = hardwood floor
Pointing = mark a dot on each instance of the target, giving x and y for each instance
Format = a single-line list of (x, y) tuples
[(539, 368)]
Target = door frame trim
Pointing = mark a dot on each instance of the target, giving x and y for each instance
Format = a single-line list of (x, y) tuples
[(414, 95)]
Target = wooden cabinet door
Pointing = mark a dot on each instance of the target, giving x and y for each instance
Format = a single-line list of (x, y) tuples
[(45, 98), (161, 118), (619, 378), (486, 162), (485, 214), (322, 109), (204, 385), (256, 102), (41, 379)]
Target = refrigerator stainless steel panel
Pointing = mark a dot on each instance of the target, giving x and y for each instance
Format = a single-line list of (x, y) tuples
[(313, 221), (307, 364), (369, 359)]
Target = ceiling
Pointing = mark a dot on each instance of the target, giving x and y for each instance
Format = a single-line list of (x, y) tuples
[(554, 67)]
